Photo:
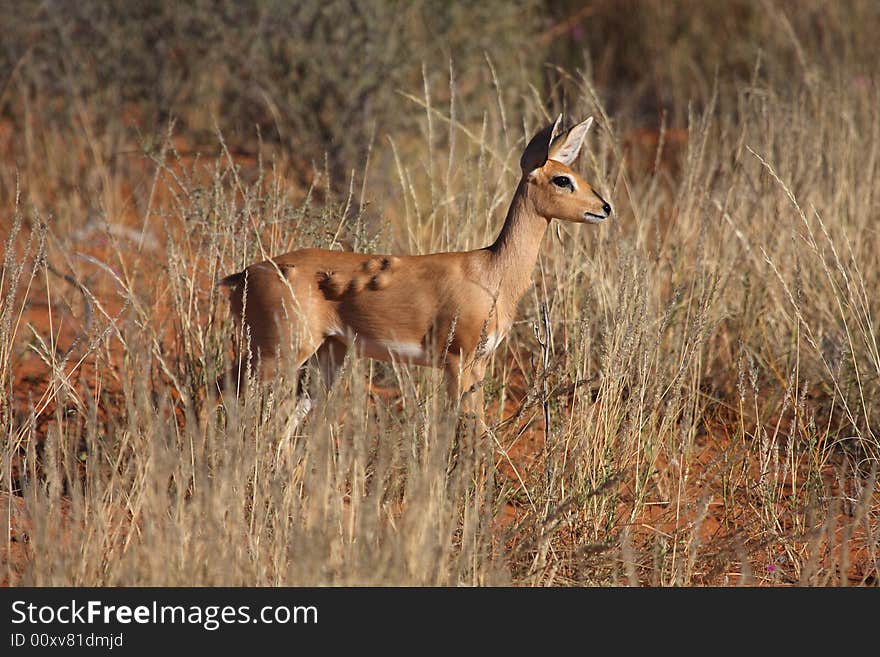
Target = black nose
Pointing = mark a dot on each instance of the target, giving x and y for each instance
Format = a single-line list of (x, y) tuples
[(606, 208)]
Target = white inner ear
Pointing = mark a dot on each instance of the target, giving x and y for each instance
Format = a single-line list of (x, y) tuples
[(557, 126), (566, 149)]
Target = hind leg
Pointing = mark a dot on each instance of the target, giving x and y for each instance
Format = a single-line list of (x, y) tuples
[(328, 360), (330, 357), (276, 324), (266, 368)]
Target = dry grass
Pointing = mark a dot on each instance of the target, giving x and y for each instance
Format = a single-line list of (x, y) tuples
[(690, 395)]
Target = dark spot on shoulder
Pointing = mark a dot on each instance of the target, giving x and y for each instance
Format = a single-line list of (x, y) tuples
[(380, 281), (357, 284), (331, 284)]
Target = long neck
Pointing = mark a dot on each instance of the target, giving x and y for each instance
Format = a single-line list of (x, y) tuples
[(515, 251)]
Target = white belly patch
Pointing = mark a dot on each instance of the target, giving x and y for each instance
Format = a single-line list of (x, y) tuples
[(491, 343), (409, 352)]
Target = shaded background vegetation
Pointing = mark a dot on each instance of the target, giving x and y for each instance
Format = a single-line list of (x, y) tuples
[(322, 80)]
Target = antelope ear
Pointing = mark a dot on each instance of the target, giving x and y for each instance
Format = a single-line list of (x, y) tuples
[(565, 149), (537, 152)]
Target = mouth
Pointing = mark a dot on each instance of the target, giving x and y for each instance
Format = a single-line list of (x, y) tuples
[(593, 218)]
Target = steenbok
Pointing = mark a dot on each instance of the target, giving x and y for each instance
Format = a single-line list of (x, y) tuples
[(448, 310)]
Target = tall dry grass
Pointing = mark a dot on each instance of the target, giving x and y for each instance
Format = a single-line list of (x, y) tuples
[(689, 395)]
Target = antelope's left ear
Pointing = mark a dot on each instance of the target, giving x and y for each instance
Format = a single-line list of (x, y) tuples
[(566, 147), (536, 153)]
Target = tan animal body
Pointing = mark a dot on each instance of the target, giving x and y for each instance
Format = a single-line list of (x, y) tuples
[(448, 310)]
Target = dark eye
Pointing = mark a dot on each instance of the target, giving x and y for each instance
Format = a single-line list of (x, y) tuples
[(564, 182)]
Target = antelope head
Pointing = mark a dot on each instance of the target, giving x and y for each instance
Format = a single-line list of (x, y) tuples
[(555, 190)]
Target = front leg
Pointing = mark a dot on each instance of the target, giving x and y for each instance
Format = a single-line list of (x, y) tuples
[(464, 380)]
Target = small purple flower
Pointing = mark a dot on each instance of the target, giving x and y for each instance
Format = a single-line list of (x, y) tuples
[(771, 568), (861, 82)]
